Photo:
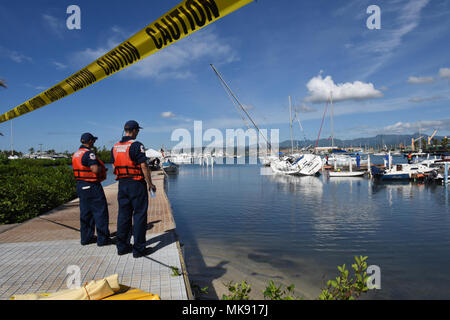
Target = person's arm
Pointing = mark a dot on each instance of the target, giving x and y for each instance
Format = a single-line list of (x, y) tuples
[(95, 169), (148, 177)]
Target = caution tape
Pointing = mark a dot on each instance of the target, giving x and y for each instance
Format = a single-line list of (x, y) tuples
[(186, 18)]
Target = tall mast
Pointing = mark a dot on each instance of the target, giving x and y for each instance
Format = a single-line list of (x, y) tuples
[(290, 123), (331, 114), (12, 140), (239, 103)]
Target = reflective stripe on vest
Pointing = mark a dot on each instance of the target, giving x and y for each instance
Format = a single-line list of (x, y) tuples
[(84, 173), (124, 167)]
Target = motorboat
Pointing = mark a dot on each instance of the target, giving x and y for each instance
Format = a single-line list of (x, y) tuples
[(170, 167), (401, 171)]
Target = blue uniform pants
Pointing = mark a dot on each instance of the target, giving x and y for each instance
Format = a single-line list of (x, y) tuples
[(133, 205), (93, 212)]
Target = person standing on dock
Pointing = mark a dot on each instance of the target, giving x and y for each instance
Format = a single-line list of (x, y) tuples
[(358, 161), (89, 173), (410, 157), (130, 167)]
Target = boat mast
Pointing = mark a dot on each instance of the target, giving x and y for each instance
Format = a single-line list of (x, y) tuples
[(331, 115), (290, 122), (240, 104)]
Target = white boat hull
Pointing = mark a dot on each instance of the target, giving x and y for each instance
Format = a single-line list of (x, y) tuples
[(346, 174)]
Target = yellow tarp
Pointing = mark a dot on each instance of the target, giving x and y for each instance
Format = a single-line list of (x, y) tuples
[(104, 289)]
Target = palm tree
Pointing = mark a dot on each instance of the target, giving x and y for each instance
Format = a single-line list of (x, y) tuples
[(444, 143)]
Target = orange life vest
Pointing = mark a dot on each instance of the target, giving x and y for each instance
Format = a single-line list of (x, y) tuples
[(84, 173), (124, 167)]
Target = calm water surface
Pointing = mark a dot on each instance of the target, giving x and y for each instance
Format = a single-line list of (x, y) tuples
[(237, 225)]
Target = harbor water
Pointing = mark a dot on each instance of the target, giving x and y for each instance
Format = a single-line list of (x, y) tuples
[(236, 224)]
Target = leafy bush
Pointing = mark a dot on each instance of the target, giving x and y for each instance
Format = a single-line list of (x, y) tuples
[(237, 291), (273, 292), (31, 187), (344, 288)]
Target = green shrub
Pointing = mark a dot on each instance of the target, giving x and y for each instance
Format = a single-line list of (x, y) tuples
[(345, 288), (237, 291), (31, 187)]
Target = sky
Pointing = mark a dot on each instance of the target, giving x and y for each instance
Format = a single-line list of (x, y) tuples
[(392, 80)]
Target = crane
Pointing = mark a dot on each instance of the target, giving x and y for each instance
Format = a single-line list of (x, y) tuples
[(413, 141), (431, 137)]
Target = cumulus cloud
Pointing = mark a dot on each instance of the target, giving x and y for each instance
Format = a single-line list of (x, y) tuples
[(320, 89), (419, 80), (444, 73)]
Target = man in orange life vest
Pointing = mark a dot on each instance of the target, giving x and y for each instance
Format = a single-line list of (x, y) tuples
[(130, 167), (89, 172)]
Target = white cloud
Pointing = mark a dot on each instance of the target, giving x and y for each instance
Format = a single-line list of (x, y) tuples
[(56, 26), (59, 65), (419, 99), (175, 61), (406, 17), (305, 108), (411, 127), (14, 55), (168, 114), (419, 80), (320, 89), (444, 72)]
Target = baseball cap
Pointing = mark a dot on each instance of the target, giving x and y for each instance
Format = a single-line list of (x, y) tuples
[(86, 137), (132, 125)]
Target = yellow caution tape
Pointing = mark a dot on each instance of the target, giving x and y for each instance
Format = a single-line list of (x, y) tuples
[(186, 18)]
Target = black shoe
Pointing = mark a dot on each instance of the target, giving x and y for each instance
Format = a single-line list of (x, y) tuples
[(106, 243), (140, 253), (91, 241), (126, 251)]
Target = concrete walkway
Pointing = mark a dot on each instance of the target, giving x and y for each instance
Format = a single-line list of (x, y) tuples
[(35, 255)]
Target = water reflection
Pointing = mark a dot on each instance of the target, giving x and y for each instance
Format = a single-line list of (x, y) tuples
[(307, 186)]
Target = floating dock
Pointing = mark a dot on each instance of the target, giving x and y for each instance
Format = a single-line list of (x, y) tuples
[(35, 255)]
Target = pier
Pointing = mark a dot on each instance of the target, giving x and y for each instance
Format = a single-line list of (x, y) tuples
[(35, 255)]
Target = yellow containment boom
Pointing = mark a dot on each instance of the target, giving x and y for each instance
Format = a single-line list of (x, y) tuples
[(183, 20)]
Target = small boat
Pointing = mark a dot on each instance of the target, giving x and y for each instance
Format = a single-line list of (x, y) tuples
[(170, 167), (346, 173)]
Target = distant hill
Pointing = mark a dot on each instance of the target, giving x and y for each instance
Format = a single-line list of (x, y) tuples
[(390, 140)]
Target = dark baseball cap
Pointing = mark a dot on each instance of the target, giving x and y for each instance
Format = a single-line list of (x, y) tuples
[(86, 137), (132, 125)]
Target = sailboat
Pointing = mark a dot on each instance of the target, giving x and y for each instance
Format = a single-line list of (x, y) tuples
[(297, 164)]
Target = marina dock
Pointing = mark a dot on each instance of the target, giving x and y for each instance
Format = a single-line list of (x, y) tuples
[(35, 255)]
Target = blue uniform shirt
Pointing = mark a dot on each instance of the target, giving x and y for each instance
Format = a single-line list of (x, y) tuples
[(89, 157), (136, 152)]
